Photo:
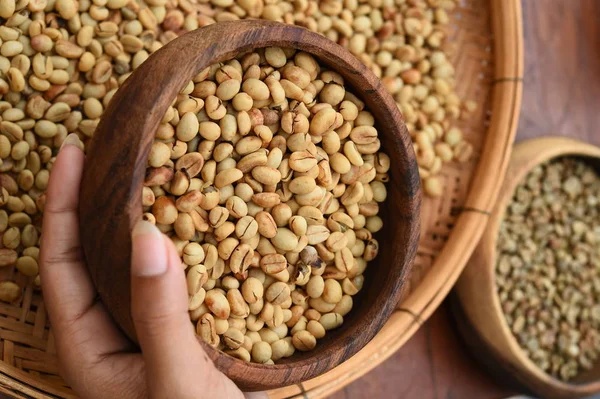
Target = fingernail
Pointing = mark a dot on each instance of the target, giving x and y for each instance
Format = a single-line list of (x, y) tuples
[(149, 256), (71, 139)]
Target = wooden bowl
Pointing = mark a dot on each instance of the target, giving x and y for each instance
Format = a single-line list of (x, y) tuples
[(478, 309), (116, 164)]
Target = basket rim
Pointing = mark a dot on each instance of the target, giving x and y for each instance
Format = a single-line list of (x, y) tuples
[(424, 300), (507, 87)]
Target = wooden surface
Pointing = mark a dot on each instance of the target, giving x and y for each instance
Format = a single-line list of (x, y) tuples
[(560, 95), (430, 366), (116, 163)]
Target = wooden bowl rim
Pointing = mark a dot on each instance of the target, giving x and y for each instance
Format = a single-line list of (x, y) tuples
[(554, 147)]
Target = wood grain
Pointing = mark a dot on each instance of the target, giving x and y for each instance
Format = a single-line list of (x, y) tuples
[(562, 69), (560, 91), (116, 163)]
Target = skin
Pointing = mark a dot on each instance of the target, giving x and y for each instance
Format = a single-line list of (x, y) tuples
[(95, 358)]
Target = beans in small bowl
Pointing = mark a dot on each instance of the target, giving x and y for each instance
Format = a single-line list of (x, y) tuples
[(267, 173)]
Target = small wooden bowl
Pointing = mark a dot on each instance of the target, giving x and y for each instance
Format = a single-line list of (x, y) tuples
[(478, 309), (116, 164)]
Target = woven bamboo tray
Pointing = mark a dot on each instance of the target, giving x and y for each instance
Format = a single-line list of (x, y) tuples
[(486, 48)]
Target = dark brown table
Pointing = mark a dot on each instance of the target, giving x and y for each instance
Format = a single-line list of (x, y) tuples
[(561, 97)]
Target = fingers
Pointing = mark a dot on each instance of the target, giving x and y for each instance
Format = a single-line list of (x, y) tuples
[(159, 297), (171, 351), (68, 289), (87, 341), (82, 327)]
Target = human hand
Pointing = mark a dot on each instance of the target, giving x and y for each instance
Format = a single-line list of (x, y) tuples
[(95, 358)]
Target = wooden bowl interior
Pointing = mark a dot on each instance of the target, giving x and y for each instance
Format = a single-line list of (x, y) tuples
[(189, 54), (589, 376), (477, 289)]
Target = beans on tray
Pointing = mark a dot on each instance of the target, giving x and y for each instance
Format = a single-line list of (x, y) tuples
[(61, 61), (548, 267), (267, 175)]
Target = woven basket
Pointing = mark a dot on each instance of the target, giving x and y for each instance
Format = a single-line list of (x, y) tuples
[(486, 48)]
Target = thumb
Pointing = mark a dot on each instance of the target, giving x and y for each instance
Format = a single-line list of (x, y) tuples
[(159, 307), (159, 299)]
